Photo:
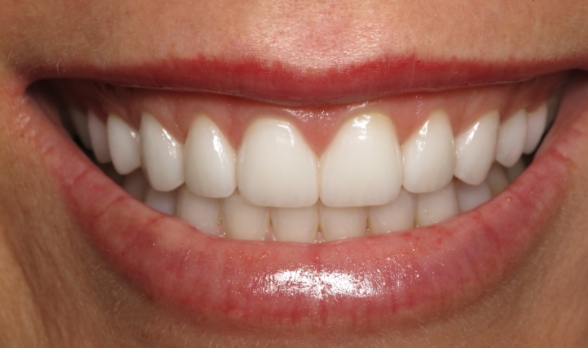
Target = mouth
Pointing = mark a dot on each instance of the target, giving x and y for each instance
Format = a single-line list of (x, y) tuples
[(246, 213)]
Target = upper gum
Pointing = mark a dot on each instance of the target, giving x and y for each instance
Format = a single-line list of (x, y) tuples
[(176, 110)]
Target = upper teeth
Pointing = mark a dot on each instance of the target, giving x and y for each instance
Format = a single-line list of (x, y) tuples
[(364, 178)]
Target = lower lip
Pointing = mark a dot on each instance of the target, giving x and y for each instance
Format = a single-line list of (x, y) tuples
[(371, 281)]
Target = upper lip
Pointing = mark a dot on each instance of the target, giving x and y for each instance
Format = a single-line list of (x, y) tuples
[(280, 83)]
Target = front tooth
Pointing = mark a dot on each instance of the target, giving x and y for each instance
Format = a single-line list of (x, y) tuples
[(476, 148), (200, 212), (164, 202), (536, 121), (397, 215), (295, 224), (98, 138), (341, 223), (276, 168), (162, 155), (362, 165), (80, 123), (433, 207), (136, 184), (210, 160), (429, 155), (470, 197), (511, 139), (497, 179), (123, 141), (243, 220)]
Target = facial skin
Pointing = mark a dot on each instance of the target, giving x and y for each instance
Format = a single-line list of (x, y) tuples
[(58, 290)]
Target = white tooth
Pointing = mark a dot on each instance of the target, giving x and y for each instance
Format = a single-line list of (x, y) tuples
[(162, 155), (497, 179), (536, 121), (80, 123), (429, 155), (243, 220), (470, 197), (123, 141), (436, 206), (98, 138), (511, 139), (475, 149), (210, 160), (200, 212), (276, 168), (341, 223), (395, 216), (362, 165), (135, 184), (295, 224), (516, 170), (164, 202)]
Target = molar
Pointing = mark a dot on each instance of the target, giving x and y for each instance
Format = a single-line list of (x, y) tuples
[(536, 122), (98, 138), (80, 123)]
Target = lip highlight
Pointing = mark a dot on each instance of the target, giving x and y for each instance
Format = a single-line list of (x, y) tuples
[(372, 281)]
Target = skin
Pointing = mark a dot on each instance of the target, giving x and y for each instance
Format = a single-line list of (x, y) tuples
[(56, 289)]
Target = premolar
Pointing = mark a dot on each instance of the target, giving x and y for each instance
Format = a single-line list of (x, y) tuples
[(123, 141)]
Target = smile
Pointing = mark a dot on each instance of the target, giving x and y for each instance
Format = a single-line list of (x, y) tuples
[(248, 213)]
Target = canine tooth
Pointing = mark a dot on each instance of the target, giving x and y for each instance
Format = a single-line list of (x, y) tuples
[(135, 184), (397, 215), (164, 202), (516, 170), (341, 223), (470, 197), (200, 212), (276, 168), (123, 141), (243, 220), (476, 148), (295, 224), (429, 155), (511, 139), (98, 138), (433, 207), (162, 155), (497, 179), (210, 160), (536, 121), (80, 123), (362, 165)]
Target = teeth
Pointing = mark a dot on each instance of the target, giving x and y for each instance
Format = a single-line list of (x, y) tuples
[(341, 223), (162, 155), (200, 212), (210, 160), (136, 184), (536, 121), (98, 138), (275, 166), (497, 179), (511, 139), (243, 220), (436, 206), (516, 170), (123, 141), (362, 165), (429, 155), (397, 215), (295, 224), (475, 149), (164, 202), (470, 197), (80, 123)]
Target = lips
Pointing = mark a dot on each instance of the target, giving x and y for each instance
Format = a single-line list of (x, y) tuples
[(371, 281)]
